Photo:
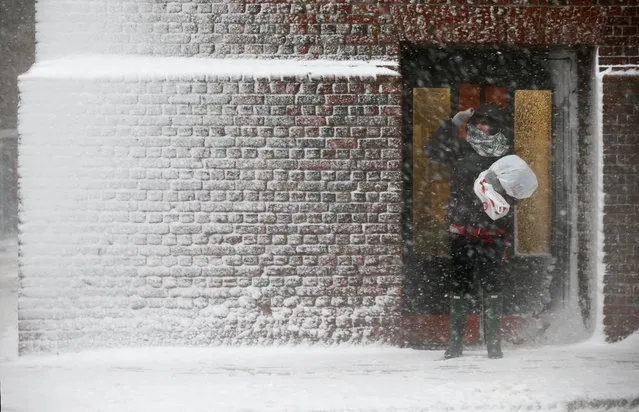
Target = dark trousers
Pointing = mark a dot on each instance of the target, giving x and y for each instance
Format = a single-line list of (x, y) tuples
[(472, 258)]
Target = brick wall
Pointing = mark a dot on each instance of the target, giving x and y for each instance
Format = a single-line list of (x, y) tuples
[(621, 209), (329, 29), (620, 40), (165, 144), (306, 29), (209, 210), (620, 46), (511, 22)]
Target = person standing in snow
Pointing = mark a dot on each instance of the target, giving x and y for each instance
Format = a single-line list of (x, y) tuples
[(477, 242)]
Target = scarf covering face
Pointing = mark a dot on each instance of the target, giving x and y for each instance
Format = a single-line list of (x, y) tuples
[(487, 145)]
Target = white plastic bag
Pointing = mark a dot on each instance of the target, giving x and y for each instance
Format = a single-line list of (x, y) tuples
[(495, 205), (515, 176)]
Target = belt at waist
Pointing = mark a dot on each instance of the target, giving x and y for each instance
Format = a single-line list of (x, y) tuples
[(479, 233)]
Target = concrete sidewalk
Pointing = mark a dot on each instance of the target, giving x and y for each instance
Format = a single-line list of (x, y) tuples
[(567, 378)]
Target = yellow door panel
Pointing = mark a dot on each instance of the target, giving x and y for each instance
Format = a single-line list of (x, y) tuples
[(533, 143), (431, 180)]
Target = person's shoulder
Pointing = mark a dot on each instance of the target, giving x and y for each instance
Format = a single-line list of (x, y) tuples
[(448, 128)]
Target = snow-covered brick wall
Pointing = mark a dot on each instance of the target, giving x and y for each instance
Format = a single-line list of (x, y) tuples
[(323, 28), (309, 29), (220, 28), (328, 29), (621, 202), (208, 209)]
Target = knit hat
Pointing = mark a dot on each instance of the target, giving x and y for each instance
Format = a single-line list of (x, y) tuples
[(493, 115)]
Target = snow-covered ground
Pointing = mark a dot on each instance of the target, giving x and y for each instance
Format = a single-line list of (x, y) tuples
[(586, 376), (591, 376)]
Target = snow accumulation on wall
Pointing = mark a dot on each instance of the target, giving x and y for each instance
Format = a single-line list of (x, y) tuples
[(8, 245), (144, 67), (166, 201), (8, 297)]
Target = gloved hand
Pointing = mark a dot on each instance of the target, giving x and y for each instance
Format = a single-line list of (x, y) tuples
[(491, 178), (461, 117)]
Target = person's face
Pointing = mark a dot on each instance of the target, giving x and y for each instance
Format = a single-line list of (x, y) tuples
[(484, 128)]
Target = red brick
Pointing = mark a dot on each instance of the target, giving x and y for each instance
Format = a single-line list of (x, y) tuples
[(341, 99), (356, 88), (527, 25), (390, 88), (361, 40), (420, 24), (362, 19), (350, 143), (371, 110), (391, 110), (325, 88)]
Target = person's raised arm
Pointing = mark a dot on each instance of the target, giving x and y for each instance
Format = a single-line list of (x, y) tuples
[(444, 144)]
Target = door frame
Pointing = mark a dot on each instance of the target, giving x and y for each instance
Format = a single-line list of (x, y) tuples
[(559, 68)]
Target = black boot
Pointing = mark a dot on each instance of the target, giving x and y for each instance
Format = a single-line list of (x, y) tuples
[(457, 324), (492, 320)]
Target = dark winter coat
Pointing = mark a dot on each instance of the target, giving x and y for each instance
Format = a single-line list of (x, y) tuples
[(464, 208)]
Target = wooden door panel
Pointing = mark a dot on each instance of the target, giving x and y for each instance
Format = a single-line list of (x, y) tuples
[(431, 180), (497, 95), (533, 143), (469, 96)]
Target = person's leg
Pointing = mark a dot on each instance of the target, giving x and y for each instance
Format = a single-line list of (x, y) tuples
[(490, 278), (462, 281), (492, 319)]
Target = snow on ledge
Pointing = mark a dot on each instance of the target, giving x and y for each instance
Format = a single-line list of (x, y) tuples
[(620, 70), (145, 67)]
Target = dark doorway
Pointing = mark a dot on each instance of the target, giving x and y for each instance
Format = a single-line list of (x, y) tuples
[(438, 82)]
